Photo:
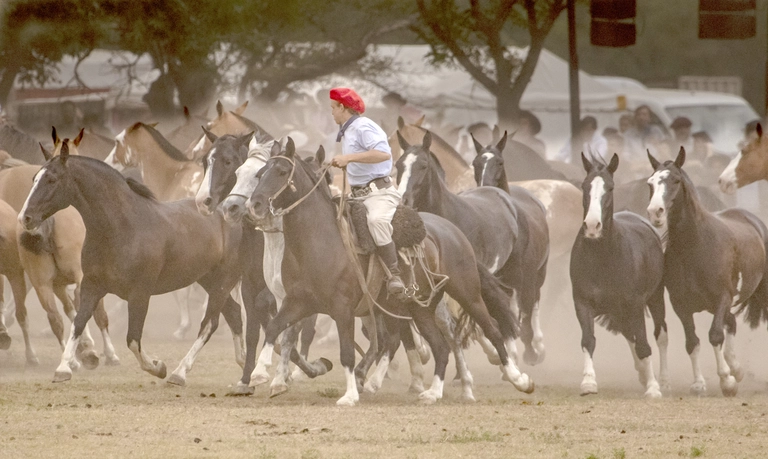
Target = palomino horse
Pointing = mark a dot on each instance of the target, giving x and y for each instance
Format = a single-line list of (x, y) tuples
[(712, 263), (491, 220), (749, 166), (265, 250), (319, 275), (51, 258), (616, 270), (10, 267), (136, 247), (226, 122)]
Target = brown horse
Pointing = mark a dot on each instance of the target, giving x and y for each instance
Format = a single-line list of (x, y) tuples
[(10, 267), (188, 132), (749, 166), (164, 169), (51, 258), (226, 122)]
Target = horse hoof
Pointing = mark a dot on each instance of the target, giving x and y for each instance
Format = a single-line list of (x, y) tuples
[(371, 387), (416, 387), (428, 398), (346, 401), (326, 364), (176, 380), (737, 373), (90, 360), (698, 388), (530, 388), (180, 334), (729, 386), (113, 362), (240, 389), (469, 398), (530, 357), (258, 379), (5, 341), (32, 361), (653, 394), (160, 370), (279, 389), (61, 376), (589, 388)]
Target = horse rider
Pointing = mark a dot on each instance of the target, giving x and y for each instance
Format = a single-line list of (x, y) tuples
[(368, 160)]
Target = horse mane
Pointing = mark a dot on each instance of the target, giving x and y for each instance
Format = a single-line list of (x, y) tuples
[(436, 139), (166, 147), (262, 149), (140, 189)]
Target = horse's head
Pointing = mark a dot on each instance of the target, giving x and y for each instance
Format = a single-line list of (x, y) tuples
[(489, 164), (317, 162), (72, 144), (227, 153), (666, 182), (414, 169), (749, 166), (226, 122), (411, 132), (49, 192), (124, 153), (282, 181), (597, 195), (233, 206)]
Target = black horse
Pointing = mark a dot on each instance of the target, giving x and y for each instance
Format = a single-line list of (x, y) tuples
[(136, 247), (713, 262), (616, 271), (319, 276)]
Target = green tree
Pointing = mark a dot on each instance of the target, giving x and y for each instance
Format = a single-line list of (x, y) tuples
[(476, 35)]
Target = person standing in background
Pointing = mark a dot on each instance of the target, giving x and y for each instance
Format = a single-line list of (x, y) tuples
[(527, 128)]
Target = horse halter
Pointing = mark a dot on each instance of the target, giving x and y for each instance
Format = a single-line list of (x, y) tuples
[(290, 184)]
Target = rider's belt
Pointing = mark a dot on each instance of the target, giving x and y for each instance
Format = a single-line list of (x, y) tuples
[(374, 185)]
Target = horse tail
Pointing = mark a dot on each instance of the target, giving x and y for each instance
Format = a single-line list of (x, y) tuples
[(755, 308)]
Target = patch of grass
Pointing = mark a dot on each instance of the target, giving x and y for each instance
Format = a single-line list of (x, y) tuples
[(472, 436), (592, 456), (697, 451), (619, 453), (329, 392), (310, 454)]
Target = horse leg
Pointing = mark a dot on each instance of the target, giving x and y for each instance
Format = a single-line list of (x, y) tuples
[(692, 346), (414, 360), (288, 342), (345, 325), (256, 313), (728, 350), (383, 355), (19, 288), (307, 336), (233, 315), (530, 330), (5, 339), (182, 300), (587, 322), (218, 298), (86, 351), (102, 321), (658, 313), (641, 352), (425, 322), (361, 371), (259, 375), (728, 383), (137, 314), (90, 296), (447, 327)]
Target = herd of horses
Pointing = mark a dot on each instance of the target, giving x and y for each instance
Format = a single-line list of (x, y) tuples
[(241, 214)]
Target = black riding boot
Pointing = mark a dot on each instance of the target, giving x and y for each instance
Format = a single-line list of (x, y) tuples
[(395, 285)]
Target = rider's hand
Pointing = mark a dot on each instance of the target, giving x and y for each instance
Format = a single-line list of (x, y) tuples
[(339, 161)]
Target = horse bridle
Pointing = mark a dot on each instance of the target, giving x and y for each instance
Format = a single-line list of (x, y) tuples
[(289, 184)]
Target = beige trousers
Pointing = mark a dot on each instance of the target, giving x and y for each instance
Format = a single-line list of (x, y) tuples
[(381, 205)]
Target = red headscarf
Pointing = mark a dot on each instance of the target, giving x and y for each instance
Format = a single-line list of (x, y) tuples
[(348, 98)]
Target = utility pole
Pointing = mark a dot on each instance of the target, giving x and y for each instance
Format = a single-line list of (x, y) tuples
[(573, 82)]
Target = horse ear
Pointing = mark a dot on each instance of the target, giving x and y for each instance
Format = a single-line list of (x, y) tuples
[(420, 121), (654, 162), (427, 141), (246, 139), (54, 137), (614, 164), (290, 148), (503, 142), (46, 154), (79, 137), (320, 155), (400, 122), (586, 163), (153, 125), (401, 140), (478, 147), (64, 154), (276, 148), (680, 160), (759, 129), (219, 107), (211, 136), (187, 115), (239, 110)]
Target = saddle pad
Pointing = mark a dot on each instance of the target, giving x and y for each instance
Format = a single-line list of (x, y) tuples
[(408, 227)]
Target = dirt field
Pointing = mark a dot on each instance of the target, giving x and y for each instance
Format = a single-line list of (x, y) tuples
[(122, 411)]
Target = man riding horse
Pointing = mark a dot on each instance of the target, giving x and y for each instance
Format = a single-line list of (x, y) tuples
[(368, 160)]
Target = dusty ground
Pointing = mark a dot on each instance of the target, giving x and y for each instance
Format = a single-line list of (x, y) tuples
[(122, 411)]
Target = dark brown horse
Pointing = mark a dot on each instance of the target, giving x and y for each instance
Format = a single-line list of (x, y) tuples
[(319, 276), (713, 262), (136, 247)]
